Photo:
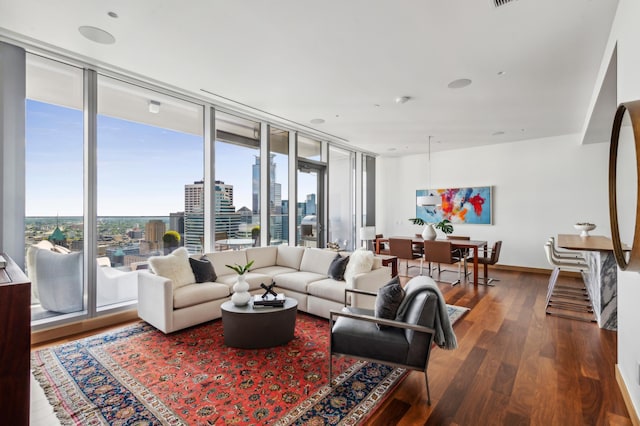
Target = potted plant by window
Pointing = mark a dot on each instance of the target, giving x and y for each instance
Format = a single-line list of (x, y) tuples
[(171, 240), (241, 295), (428, 232)]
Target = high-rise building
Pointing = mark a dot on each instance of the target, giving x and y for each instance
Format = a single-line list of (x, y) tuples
[(153, 232), (176, 223), (194, 216), (227, 219), (310, 204), (275, 198)]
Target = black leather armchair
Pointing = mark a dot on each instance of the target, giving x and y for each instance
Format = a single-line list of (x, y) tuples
[(405, 342)]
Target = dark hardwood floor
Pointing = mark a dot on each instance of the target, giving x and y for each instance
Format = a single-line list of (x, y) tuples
[(514, 364)]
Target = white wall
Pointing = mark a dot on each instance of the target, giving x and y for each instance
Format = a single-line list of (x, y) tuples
[(626, 33), (540, 188)]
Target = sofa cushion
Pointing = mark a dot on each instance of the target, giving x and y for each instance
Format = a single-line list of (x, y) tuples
[(317, 260), (360, 261), (262, 256), (289, 256), (190, 295), (202, 270), (274, 271), (329, 289), (220, 259), (174, 266), (253, 279), (337, 267), (298, 281)]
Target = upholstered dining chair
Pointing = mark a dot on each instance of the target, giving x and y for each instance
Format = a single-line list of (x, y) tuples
[(491, 258), (440, 252), (404, 342), (383, 248), (464, 252), (402, 248)]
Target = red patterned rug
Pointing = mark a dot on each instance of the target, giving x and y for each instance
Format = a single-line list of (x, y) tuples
[(139, 375)]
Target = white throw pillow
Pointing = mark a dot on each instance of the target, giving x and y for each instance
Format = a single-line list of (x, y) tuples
[(360, 261), (174, 266)]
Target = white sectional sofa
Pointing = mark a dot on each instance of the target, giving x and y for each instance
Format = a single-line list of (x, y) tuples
[(298, 272)]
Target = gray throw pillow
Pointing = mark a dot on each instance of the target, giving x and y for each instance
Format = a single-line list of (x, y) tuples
[(337, 267), (388, 300), (203, 270)]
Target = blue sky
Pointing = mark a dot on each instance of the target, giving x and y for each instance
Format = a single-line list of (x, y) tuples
[(142, 169)]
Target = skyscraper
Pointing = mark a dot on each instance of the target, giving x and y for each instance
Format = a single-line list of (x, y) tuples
[(227, 219), (194, 216), (153, 232)]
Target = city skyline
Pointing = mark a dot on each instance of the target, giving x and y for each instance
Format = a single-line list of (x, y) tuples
[(142, 169)]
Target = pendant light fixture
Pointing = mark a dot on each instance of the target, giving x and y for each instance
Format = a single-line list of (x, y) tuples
[(430, 199)]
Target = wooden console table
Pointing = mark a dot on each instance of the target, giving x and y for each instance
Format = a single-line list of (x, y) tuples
[(15, 335)]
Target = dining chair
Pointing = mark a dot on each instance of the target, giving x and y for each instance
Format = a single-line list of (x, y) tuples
[(383, 247), (567, 301), (490, 258), (463, 252), (402, 248), (436, 251)]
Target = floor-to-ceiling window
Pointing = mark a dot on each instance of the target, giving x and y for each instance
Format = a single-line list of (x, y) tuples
[(150, 156), (237, 182), (341, 198), (54, 188), (279, 186)]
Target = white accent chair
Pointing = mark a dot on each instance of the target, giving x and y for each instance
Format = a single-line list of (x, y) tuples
[(114, 285)]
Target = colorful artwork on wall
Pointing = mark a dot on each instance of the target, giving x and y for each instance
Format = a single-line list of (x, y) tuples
[(459, 205)]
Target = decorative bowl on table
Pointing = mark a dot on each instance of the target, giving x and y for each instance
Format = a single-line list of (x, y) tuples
[(584, 228)]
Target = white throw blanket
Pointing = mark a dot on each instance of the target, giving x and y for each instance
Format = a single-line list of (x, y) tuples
[(445, 338)]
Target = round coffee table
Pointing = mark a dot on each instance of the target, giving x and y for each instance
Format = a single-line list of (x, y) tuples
[(247, 327)]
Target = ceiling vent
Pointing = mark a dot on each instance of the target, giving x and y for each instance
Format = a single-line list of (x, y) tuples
[(498, 3)]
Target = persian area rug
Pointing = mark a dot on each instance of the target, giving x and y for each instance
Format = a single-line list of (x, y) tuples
[(138, 375)]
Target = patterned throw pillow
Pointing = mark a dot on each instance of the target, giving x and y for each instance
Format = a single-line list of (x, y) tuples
[(388, 300)]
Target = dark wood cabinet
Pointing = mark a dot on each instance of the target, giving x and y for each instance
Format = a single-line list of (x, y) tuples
[(15, 343)]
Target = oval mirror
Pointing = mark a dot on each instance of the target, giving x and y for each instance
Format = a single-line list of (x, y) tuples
[(623, 185)]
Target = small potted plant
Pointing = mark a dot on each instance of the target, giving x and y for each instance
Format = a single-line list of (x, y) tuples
[(241, 295)]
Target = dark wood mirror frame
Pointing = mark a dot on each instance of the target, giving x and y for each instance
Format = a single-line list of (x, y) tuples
[(633, 264)]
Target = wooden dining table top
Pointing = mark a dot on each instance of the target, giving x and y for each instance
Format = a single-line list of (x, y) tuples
[(590, 243), (454, 242)]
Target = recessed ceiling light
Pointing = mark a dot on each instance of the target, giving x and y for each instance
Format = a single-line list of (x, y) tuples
[(317, 121), (391, 149), (402, 99), (113, 15), (96, 34), (459, 83), (498, 133), (502, 72)]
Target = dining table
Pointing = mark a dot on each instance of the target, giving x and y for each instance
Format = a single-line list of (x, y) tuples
[(474, 245)]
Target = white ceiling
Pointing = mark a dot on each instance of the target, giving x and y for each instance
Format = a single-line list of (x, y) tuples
[(347, 61)]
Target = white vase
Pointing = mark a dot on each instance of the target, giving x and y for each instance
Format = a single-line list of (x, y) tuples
[(241, 295), (429, 232)]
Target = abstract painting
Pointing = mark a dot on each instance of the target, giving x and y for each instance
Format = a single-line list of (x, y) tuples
[(459, 205)]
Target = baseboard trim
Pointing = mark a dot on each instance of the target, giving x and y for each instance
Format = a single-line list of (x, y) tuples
[(633, 415), (71, 329)]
